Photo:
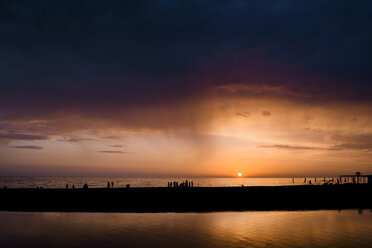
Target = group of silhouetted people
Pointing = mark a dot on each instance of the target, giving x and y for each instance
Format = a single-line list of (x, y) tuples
[(73, 186), (109, 185), (185, 184)]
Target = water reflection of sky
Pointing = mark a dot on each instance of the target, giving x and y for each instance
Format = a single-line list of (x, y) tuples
[(349, 228)]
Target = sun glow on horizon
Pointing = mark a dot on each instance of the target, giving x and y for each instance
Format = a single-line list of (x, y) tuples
[(240, 174)]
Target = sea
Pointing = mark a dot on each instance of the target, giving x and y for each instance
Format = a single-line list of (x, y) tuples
[(321, 228), (101, 182)]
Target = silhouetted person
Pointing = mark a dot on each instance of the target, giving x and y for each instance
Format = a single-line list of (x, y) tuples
[(73, 186), (112, 184), (192, 184), (108, 184), (357, 176), (309, 182), (85, 186), (66, 185), (292, 179), (305, 180), (128, 186)]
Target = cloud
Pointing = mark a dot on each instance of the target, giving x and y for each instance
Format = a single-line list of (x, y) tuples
[(354, 146), (294, 148), (21, 136), (243, 114), (28, 147), (111, 151), (128, 62), (112, 137), (75, 139), (288, 147), (266, 113), (353, 142), (118, 146), (358, 142)]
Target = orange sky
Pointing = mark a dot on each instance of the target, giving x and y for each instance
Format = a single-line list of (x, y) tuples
[(218, 136)]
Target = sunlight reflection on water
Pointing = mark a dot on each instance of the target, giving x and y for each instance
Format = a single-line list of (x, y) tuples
[(347, 228)]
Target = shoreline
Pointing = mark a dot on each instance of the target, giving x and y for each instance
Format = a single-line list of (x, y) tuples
[(188, 199)]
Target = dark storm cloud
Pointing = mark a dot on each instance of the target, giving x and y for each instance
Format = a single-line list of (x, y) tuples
[(87, 58)]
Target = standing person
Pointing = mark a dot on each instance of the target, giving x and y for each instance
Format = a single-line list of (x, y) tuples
[(66, 185), (112, 184), (108, 184)]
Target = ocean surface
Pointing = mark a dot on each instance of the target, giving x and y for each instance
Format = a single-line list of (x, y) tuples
[(101, 182), (326, 228)]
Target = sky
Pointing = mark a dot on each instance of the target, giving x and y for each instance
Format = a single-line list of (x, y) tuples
[(185, 88)]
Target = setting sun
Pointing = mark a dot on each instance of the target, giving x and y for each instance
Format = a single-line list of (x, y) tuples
[(240, 174)]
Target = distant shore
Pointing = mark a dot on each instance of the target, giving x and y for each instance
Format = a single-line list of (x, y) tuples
[(188, 199)]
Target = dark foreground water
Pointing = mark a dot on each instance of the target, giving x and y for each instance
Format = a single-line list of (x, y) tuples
[(347, 228)]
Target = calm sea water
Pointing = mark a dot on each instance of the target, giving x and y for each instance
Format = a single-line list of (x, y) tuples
[(99, 182), (349, 228)]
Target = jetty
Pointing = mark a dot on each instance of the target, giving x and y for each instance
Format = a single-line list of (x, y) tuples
[(188, 199)]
